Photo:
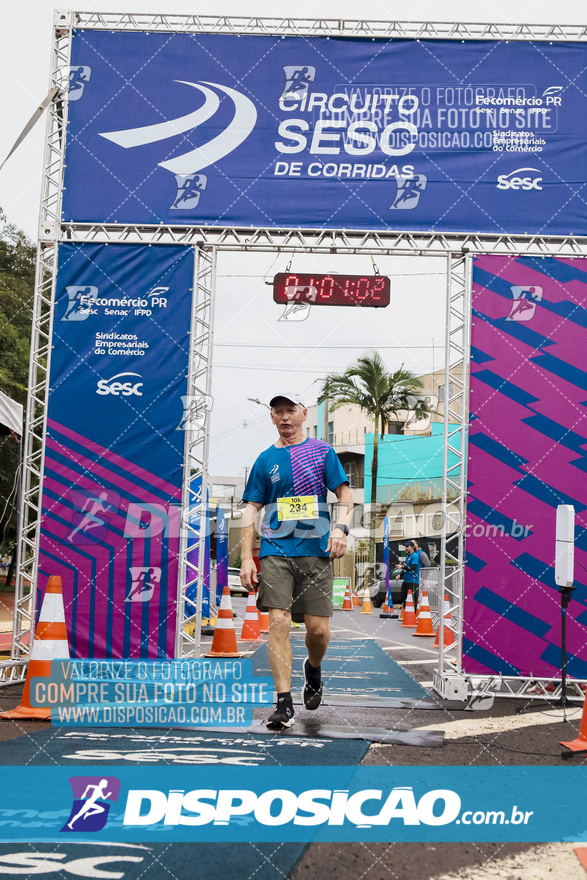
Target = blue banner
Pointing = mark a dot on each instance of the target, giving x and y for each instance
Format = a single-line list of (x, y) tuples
[(115, 444), (221, 554), (193, 555), (386, 560), (316, 803), (438, 135)]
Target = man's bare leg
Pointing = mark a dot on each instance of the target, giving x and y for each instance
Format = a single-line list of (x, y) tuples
[(279, 647), (317, 637)]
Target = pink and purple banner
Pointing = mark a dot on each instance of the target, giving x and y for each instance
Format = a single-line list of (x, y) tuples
[(527, 455)]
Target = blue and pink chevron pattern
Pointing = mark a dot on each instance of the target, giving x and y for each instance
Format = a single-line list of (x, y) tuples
[(527, 455), (94, 565)]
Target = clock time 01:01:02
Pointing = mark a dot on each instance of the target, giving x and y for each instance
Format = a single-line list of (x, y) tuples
[(371, 291)]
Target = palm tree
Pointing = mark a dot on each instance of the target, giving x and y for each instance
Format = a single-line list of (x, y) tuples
[(380, 395)]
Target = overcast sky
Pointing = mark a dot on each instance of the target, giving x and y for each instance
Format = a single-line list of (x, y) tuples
[(255, 353)]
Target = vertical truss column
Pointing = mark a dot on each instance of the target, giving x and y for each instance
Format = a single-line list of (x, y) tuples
[(197, 443), (40, 359), (34, 453), (449, 680)]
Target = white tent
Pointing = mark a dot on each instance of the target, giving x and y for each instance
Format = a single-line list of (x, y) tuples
[(11, 414)]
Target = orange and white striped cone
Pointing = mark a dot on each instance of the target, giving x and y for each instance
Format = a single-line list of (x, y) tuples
[(409, 619), (50, 644), (356, 600), (251, 631), (224, 641), (425, 627), (579, 744), (366, 607), (347, 604), (264, 621), (449, 636)]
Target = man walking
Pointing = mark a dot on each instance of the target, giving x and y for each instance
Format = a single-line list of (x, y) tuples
[(415, 560), (291, 480)]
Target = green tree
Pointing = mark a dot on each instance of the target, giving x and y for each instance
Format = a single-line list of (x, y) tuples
[(17, 279), (379, 394)]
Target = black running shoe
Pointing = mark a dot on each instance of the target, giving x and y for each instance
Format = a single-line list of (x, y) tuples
[(282, 716), (312, 690)]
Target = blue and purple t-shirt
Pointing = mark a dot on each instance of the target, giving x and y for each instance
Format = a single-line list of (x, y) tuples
[(308, 468)]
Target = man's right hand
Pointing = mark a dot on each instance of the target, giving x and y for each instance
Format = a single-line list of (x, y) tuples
[(248, 574)]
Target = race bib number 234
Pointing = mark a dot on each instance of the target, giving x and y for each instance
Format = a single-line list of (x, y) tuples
[(297, 507)]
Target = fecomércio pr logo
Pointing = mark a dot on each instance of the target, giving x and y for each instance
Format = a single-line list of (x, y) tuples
[(84, 300), (91, 802)]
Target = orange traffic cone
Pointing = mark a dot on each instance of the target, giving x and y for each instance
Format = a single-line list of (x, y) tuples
[(264, 621), (366, 607), (409, 618), (579, 744), (356, 600), (224, 641), (347, 604), (251, 631), (425, 627), (449, 636), (50, 644)]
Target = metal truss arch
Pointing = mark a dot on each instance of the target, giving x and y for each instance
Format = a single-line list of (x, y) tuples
[(341, 241), (316, 27)]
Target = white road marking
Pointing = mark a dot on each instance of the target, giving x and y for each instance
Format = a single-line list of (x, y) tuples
[(478, 725), (415, 662)]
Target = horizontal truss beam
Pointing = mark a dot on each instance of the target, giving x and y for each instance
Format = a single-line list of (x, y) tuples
[(547, 689), (328, 241), (317, 27)]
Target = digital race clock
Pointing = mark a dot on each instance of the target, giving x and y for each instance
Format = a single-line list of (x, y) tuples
[(371, 291)]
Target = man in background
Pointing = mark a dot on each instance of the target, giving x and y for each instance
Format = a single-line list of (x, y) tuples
[(415, 560)]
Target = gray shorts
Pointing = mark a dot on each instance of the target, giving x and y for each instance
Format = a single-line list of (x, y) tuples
[(298, 584)]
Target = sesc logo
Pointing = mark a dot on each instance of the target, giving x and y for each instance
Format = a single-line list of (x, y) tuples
[(126, 389), (514, 181)]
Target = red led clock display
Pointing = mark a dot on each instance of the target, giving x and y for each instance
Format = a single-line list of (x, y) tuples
[(372, 291)]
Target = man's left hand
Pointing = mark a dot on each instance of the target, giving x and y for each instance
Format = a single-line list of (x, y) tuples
[(336, 544)]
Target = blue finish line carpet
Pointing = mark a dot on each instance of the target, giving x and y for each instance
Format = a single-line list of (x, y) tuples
[(190, 748), (355, 672), (112, 746)]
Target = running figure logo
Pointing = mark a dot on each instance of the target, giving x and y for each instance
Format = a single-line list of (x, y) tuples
[(189, 190), (80, 298), (299, 300), (409, 190), (90, 805), (79, 77), (144, 581), (91, 515), (297, 81), (195, 407), (525, 302)]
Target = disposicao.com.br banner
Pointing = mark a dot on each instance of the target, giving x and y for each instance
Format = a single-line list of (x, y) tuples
[(231, 804)]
